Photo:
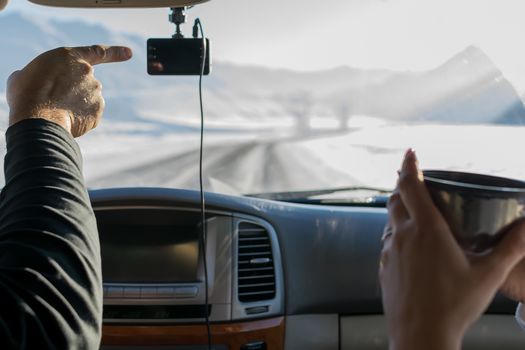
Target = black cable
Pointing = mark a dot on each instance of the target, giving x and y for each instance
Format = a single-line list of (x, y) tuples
[(202, 202)]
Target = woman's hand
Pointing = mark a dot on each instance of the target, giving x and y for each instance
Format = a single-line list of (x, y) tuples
[(514, 286), (432, 293)]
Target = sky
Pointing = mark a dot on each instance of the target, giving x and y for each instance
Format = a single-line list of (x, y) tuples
[(311, 35)]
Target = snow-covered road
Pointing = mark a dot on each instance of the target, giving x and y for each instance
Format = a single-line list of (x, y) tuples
[(236, 167)]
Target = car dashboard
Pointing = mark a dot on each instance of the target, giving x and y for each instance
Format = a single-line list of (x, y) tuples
[(280, 275)]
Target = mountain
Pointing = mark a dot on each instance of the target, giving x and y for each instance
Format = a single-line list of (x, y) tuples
[(468, 88)]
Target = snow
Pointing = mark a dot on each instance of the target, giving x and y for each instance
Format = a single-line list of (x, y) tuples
[(373, 154)]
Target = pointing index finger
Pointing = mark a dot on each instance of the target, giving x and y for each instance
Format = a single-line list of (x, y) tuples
[(98, 54)]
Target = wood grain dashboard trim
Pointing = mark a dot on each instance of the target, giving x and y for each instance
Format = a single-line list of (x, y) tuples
[(232, 334)]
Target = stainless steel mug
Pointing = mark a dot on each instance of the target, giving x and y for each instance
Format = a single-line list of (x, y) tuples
[(478, 208)]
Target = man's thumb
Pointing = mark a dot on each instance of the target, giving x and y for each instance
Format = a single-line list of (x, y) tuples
[(509, 252)]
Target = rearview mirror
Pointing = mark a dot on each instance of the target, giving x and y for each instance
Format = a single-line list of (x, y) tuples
[(117, 3)]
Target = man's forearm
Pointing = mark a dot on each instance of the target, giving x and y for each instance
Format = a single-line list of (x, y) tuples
[(50, 260)]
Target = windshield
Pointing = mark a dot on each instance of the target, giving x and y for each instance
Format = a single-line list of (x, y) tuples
[(302, 97)]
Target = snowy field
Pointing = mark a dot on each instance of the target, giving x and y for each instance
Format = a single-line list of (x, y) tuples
[(251, 161)]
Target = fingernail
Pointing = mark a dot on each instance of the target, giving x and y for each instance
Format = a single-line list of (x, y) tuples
[(126, 52), (410, 154), (406, 157), (409, 157)]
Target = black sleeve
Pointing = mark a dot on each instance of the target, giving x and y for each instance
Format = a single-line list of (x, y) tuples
[(50, 269)]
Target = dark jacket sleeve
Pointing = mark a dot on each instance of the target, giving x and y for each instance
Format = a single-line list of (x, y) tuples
[(50, 269)]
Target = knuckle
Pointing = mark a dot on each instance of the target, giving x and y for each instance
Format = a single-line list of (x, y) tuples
[(62, 51), (85, 68), (404, 182), (101, 104), (60, 54), (393, 199), (12, 77), (96, 122), (97, 107), (97, 117), (99, 50)]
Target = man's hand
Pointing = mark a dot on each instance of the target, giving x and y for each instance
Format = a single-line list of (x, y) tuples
[(432, 292), (59, 86)]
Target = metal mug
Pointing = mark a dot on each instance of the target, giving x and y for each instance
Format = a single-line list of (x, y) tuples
[(478, 208)]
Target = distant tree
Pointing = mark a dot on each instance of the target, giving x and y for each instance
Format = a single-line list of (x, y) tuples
[(298, 105), (344, 113)]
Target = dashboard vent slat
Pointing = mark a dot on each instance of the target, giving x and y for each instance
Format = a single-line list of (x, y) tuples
[(252, 246), (254, 254), (255, 277), (254, 229), (254, 239), (256, 269), (252, 277)]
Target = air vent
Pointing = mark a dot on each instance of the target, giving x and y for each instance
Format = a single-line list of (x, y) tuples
[(256, 272)]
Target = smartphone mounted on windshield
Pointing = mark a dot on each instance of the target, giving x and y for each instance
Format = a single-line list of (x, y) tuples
[(177, 56)]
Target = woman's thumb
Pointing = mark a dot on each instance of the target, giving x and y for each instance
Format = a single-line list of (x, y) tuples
[(507, 254)]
